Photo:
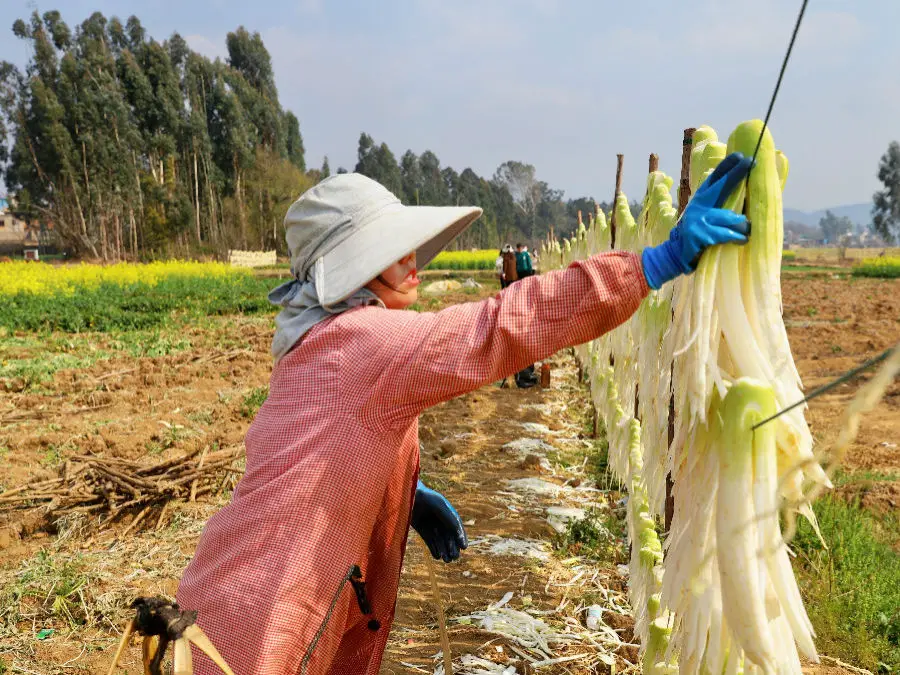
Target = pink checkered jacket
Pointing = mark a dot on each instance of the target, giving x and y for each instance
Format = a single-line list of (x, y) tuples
[(299, 573)]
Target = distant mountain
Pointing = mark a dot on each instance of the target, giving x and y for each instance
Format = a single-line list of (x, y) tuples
[(860, 214)]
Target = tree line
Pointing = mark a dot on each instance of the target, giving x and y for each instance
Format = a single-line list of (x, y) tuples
[(131, 147), (517, 206), (134, 148)]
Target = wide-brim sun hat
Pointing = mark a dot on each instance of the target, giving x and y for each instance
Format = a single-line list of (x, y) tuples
[(348, 229)]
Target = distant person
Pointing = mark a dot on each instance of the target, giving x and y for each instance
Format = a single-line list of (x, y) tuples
[(524, 267), (526, 377), (509, 273)]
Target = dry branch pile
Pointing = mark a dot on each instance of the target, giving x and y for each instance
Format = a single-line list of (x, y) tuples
[(111, 486)]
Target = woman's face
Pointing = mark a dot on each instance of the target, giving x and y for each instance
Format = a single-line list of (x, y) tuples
[(397, 285)]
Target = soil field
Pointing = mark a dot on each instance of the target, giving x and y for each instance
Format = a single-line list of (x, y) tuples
[(502, 456)]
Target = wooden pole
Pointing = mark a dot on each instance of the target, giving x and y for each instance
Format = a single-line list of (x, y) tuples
[(620, 160), (654, 162), (684, 188), (684, 195)]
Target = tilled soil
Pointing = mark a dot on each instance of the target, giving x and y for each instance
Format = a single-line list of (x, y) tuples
[(160, 407)]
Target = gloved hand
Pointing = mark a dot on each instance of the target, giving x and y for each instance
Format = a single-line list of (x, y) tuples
[(438, 523), (704, 223)]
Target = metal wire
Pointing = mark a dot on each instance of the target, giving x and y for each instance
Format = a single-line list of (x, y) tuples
[(784, 63), (815, 393)]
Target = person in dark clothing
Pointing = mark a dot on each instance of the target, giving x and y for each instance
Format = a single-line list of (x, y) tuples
[(526, 377), (524, 267)]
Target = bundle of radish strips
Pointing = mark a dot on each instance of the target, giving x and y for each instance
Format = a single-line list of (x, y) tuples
[(726, 600), (728, 577)]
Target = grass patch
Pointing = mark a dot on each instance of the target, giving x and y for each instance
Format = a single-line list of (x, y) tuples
[(851, 591), (790, 267), (842, 478), (252, 401), (40, 370), (49, 589), (599, 535)]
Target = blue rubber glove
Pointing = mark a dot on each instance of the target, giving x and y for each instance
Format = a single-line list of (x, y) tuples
[(438, 523), (704, 223)]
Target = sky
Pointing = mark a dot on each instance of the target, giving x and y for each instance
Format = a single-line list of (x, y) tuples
[(561, 84)]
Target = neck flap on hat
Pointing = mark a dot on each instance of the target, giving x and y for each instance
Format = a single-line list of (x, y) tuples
[(302, 310)]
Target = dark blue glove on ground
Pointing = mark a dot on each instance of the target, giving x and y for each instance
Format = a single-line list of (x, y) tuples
[(438, 523), (704, 223)]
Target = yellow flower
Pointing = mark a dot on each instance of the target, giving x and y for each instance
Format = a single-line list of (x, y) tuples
[(48, 280)]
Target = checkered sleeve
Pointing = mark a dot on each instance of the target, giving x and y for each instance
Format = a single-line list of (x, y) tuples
[(396, 364)]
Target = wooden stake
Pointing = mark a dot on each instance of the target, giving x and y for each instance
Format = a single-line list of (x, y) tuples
[(654, 162), (684, 187), (439, 606), (620, 160), (684, 195)]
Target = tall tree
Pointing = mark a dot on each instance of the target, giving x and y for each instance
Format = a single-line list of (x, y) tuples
[(388, 170), (248, 55), (366, 161), (411, 177), (886, 209), (294, 141), (833, 227), (519, 179), (434, 189)]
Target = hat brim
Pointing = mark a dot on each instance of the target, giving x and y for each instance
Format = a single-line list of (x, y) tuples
[(392, 235)]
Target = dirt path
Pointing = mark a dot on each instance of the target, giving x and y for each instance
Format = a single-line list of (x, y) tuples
[(508, 459)]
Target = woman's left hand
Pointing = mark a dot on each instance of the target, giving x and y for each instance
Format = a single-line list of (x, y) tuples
[(438, 523)]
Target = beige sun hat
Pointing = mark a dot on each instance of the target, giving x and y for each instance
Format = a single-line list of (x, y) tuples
[(348, 229)]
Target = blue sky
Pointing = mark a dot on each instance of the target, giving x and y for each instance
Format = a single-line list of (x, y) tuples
[(564, 85)]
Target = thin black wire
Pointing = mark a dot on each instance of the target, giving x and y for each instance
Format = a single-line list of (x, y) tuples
[(784, 63), (871, 363)]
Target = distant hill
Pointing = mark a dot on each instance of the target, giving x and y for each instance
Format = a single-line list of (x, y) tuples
[(860, 214)]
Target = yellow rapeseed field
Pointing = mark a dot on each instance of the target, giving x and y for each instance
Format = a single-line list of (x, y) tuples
[(885, 267), (483, 259), (44, 279)]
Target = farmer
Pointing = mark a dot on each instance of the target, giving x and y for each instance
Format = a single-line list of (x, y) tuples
[(299, 572), (523, 261), (509, 266)]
